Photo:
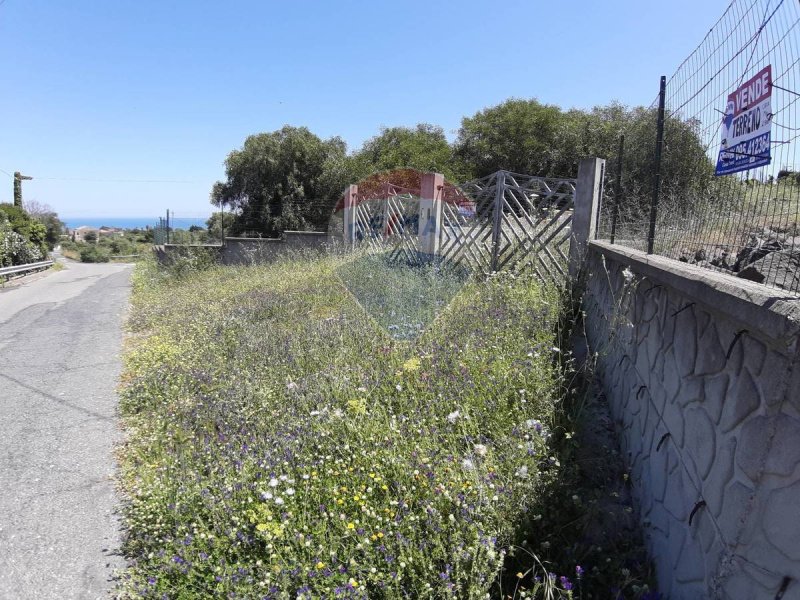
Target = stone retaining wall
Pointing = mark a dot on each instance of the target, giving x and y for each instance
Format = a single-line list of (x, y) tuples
[(701, 373)]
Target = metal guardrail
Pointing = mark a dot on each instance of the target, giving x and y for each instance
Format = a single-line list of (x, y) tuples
[(8, 271)]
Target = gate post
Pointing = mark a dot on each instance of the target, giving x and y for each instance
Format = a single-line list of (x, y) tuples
[(586, 211), (497, 216), (350, 208), (430, 216)]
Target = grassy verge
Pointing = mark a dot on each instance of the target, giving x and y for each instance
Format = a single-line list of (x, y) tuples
[(283, 443)]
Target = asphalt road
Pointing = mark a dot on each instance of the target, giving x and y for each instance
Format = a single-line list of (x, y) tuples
[(60, 340)]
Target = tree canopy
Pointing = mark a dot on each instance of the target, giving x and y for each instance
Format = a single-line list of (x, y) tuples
[(281, 180), (292, 179)]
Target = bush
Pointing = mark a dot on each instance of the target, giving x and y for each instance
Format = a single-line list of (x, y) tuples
[(93, 254)]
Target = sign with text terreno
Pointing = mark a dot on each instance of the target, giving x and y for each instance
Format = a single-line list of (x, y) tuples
[(746, 126)]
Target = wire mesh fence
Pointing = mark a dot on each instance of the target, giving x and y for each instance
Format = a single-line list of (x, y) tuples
[(725, 193), (186, 230)]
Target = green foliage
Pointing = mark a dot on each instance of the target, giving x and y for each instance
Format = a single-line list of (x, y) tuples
[(215, 224), (282, 443), (29, 228), (14, 248), (424, 148), (94, 254), (523, 136), (22, 238), (285, 180)]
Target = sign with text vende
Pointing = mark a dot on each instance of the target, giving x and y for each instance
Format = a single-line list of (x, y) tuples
[(746, 127)]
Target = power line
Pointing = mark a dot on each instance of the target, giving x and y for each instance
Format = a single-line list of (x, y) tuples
[(89, 180)]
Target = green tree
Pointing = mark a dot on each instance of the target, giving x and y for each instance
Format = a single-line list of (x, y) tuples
[(287, 179), (29, 228), (215, 224), (518, 135), (47, 217), (423, 148)]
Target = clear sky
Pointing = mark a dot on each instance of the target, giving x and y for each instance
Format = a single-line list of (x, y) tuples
[(129, 107)]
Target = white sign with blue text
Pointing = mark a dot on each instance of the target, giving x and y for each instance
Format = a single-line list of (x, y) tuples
[(747, 126)]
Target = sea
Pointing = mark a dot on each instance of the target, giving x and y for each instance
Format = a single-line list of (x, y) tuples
[(131, 222)]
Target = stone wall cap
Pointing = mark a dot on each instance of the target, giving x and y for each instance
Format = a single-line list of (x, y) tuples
[(766, 312)]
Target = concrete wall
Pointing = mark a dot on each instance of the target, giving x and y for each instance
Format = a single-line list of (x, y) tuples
[(245, 251), (701, 372)]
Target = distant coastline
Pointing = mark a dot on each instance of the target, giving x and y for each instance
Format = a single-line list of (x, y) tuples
[(129, 223)]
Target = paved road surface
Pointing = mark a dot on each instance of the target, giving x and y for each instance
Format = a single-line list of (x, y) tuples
[(60, 338)]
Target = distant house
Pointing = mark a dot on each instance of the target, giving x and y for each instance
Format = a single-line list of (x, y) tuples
[(105, 230), (79, 234)]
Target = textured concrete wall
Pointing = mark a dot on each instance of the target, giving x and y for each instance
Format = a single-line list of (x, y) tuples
[(246, 251), (703, 380)]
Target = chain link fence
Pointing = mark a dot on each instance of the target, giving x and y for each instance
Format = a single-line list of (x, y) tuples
[(708, 174)]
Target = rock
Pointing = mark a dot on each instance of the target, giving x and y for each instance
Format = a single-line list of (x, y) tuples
[(780, 269), (700, 255), (756, 249)]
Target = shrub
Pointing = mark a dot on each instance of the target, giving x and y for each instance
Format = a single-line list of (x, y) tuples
[(93, 254)]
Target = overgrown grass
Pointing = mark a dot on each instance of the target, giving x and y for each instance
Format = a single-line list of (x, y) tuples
[(283, 443)]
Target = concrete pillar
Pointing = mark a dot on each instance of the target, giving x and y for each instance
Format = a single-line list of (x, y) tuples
[(430, 215), (588, 196), (350, 203)]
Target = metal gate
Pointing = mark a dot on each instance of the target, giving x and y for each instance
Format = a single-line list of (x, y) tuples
[(502, 221), (507, 220), (389, 220)]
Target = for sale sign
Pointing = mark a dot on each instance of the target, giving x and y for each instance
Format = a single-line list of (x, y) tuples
[(746, 127)]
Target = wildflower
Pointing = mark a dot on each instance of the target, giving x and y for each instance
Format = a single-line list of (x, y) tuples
[(467, 464), (534, 424), (522, 472), (290, 492), (480, 449), (627, 274), (520, 575), (453, 416), (291, 386), (412, 364), (278, 500), (273, 482), (565, 583), (579, 571)]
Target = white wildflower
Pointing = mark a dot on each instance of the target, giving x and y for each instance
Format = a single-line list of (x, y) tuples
[(273, 482), (522, 472), (480, 449), (454, 416)]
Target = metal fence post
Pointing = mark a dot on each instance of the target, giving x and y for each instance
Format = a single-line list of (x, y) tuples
[(617, 189), (651, 236), (588, 196), (499, 201), (430, 215), (350, 208)]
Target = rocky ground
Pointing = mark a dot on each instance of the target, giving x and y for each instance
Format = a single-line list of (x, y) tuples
[(771, 257)]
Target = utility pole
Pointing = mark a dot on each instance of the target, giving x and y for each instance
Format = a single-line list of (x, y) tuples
[(168, 226), (18, 179)]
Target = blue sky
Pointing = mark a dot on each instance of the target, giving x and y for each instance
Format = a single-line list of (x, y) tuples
[(127, 108)]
